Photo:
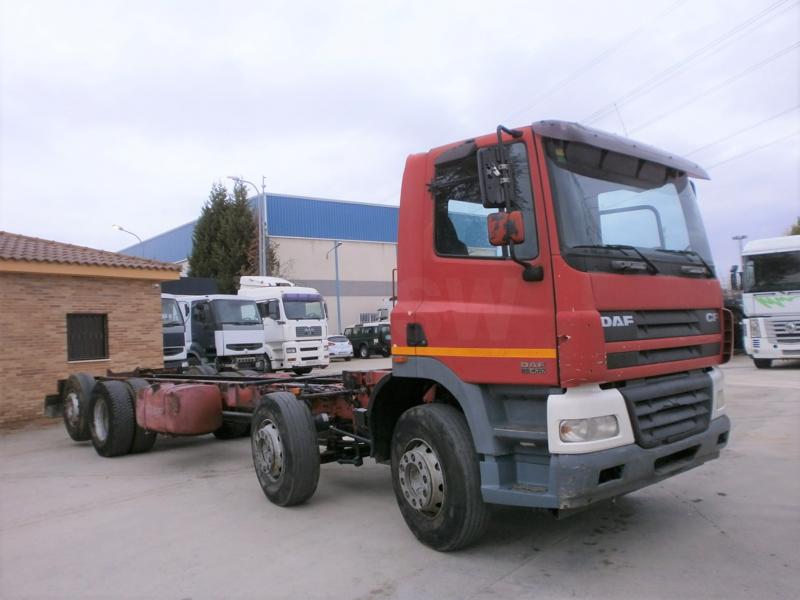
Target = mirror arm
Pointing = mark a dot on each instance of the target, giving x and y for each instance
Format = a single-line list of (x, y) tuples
[(529, 271)]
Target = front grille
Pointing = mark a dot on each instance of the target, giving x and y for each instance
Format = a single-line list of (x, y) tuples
[(308, 331), (628, 325), (784, 330), (309, 349), (668, 408), (173, 351), (243, 346), (638, 358)]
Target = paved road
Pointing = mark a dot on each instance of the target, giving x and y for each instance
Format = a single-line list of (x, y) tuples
[(188, 520)]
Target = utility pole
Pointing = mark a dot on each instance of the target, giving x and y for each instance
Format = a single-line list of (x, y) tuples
[(740, 238), (263, 238)]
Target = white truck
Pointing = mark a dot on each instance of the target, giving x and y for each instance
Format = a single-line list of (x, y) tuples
[(224, 331), (295, 323), (771, 299), (173, 331)]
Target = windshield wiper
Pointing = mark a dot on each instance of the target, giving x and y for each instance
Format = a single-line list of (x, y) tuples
[(623, 266), (694, 253)]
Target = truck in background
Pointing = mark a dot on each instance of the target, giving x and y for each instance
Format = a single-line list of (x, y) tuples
[(223, 331), (771, 299), (295, 323), (174, 332)]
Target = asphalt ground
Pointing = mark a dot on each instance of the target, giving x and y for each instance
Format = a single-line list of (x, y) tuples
[(188, 520)]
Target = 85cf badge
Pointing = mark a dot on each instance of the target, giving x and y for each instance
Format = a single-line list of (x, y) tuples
[(532, 367)]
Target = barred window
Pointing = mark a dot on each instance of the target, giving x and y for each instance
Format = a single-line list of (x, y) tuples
[(87, 337)]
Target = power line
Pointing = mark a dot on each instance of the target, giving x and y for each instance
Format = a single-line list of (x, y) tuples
[(756, 149), (718, 86), (735, 133), (748, 24), (599, 58)]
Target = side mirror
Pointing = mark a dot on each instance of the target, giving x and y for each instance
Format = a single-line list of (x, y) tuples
[(736, 278), (506, 228), (493, 179)]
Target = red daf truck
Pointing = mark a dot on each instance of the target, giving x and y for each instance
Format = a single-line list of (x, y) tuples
[(556, 342)]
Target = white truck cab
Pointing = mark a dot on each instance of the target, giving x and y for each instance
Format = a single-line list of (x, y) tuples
[(173, 331), (224, 330), (771, 299), (295, 323)]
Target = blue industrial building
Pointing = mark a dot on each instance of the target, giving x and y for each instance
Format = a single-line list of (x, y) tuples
[(291, 217)]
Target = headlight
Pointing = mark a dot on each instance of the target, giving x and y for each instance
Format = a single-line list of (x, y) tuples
[(755, 328), (588, 430), (291, 350)]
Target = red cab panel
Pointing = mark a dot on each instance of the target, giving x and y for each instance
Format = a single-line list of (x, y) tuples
[(182, 409)]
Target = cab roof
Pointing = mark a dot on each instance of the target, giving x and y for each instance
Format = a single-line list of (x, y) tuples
[(575, 132)]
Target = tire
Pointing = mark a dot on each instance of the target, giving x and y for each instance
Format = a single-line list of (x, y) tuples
[(201, 370), (432, 443), (363, 351), (302, 370), (143, 439), (285, 451), (230, 431), (113, 422), (763, 363), (76, 398), (386, 353)]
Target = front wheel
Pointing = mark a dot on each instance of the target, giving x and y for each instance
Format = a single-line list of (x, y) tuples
[(283, 441), (762, 363), (363, 351), (302, 370), (436, 477)]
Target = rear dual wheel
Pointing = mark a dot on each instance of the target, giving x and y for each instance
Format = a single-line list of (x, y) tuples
[(77, 396), (112, 426)]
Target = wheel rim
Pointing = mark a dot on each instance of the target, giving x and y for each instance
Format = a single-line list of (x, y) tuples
[(269, 450), (72, 409), (100, 420), (421, 478)]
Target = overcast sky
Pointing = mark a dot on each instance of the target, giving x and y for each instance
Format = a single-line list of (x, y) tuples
[(127, 112)]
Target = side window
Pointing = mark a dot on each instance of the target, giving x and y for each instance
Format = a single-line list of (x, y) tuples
[(460, 217)]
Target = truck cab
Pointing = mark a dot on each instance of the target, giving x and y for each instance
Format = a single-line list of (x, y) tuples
[(295, 323), (771, 299), (225, 331), (556, 288), (174, 333)]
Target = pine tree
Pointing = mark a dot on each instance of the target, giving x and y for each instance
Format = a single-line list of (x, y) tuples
[(225, 238), (795, 228), (204, 239)]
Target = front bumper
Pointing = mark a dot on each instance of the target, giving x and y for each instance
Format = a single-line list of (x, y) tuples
[(578, 480)]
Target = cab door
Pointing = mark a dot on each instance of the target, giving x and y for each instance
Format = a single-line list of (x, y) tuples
[(478, 316)]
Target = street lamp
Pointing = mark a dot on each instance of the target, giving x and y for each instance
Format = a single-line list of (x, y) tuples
[(335, 251), (141, 243), (740, 238), (263, 232)]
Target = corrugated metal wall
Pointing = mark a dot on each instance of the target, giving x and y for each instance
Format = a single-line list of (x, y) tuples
[(291, 216)]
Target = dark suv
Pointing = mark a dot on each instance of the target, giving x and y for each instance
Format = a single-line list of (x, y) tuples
[(370, 338)]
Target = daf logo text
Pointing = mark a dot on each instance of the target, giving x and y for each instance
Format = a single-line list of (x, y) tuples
[(617, 321)]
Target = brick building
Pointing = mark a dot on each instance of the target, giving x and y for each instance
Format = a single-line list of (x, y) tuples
[(66, 308)]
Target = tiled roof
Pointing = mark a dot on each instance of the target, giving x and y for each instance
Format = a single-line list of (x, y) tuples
[(21, 247)]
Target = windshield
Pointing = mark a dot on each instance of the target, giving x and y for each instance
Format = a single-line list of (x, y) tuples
[(303, 306), (778, 272), (170, 312), (605, 199), (236, 312)]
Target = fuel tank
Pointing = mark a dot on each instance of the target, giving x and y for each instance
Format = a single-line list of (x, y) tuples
[(179, 409)]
